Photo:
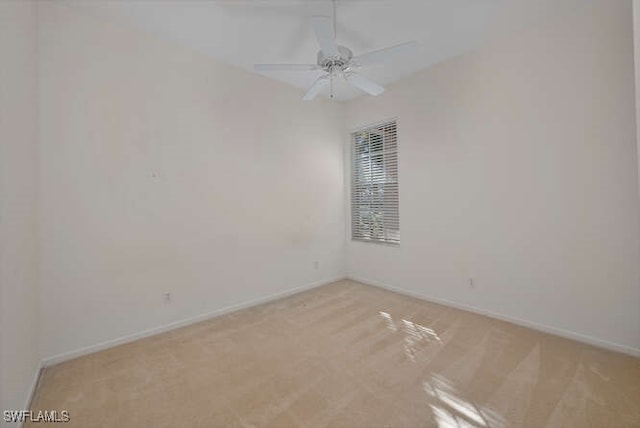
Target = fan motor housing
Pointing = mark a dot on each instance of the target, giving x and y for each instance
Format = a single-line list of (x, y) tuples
[(339, 63)]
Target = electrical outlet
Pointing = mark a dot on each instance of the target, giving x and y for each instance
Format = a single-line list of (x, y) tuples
[(472, 283), (167, 297)]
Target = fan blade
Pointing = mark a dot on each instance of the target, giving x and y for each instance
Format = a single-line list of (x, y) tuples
[(316, 88), (369, 86), (323, 28), (385, 54), (285, 67)]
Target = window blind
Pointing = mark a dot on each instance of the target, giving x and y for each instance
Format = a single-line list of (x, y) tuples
[(374, 184)]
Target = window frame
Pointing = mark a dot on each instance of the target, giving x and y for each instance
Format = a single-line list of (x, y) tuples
[(353, 182)]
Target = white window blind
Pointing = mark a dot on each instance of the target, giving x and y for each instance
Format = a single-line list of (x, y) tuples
[(374, 184)]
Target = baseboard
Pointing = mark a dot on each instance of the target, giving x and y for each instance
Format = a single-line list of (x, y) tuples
[(524, 323), (55, 359), (32, 389)]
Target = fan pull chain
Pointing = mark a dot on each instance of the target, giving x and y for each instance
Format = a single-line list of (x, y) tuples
[(331, 82), (335, 36)]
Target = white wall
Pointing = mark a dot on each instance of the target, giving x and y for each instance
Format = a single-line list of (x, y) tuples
[(163, 170), (19, 358), (636, 49), (518, 168)]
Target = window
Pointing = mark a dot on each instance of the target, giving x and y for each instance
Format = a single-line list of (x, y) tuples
[(374, 184)]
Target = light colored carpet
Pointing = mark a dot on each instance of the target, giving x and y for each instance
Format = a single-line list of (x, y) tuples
[(347, 355)]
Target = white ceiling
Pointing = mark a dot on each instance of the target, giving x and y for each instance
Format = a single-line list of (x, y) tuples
[(244, 32)]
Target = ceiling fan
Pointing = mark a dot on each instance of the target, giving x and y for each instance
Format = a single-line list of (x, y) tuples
[(338, 61)]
